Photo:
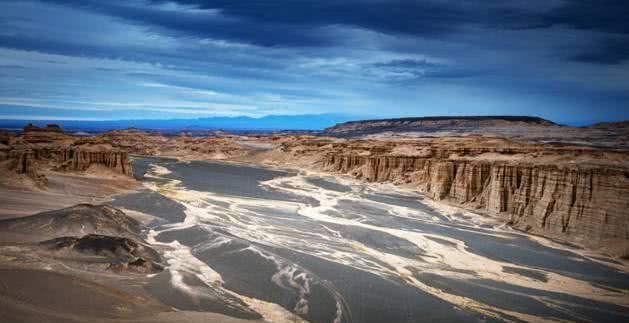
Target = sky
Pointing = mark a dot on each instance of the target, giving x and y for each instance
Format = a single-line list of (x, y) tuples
[(567, 61)]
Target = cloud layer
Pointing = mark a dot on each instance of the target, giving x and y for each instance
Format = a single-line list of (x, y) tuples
[(565, 60)]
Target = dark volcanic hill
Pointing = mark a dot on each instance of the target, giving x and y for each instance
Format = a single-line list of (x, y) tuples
[(75, 221), (432, 124)]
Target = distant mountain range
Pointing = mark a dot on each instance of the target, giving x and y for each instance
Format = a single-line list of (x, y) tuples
[(326, 124), (268, 123)]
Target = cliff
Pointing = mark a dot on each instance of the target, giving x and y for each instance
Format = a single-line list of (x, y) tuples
[(30, 160), (81, 160), (40, 150), (574, 194)]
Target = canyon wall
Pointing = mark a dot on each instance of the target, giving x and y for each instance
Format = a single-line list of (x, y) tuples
[(69, 159), (580, 204), (40, 150), (574, 194)]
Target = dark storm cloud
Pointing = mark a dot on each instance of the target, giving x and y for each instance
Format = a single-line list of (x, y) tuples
[(303, 22), (605, 52), (261, 57), (609, 18), (207, 24), (606, 16), (411, 17), (299, 22)]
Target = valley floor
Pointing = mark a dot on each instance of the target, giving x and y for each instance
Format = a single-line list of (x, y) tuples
[(252, 243)]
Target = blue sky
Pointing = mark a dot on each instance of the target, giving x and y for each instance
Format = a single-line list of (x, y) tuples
[(139, 59)]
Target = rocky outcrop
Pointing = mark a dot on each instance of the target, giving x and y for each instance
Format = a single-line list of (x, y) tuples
[(88, 237), (116, 254), (39, 150), (49, 128), (575, 194), (81, 160), (49, 134), (133, 141), (219, 146), (580, 204), (31, 159), (22, 162), (75, 221), (5, 138)]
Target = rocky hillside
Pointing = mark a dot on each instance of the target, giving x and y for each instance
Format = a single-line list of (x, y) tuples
[(77, 235), (572, 193), (39, 150)]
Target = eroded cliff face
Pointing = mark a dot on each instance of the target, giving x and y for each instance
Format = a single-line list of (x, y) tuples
[(34, 161), (575, 194), (579, 204), (34, 155), (81, 160), (72, 159)]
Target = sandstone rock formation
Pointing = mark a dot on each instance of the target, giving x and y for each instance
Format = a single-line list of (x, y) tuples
[(39, 150), (134, 141), (573, 193), (69, 159), (5, 138), (51, 133)]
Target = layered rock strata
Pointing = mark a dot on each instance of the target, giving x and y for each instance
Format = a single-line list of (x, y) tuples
[(41, 149), (573, 193), (70, 159)]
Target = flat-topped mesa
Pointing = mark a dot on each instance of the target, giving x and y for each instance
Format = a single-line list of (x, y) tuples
[(49, 128), (574, 194), (431, 124)]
